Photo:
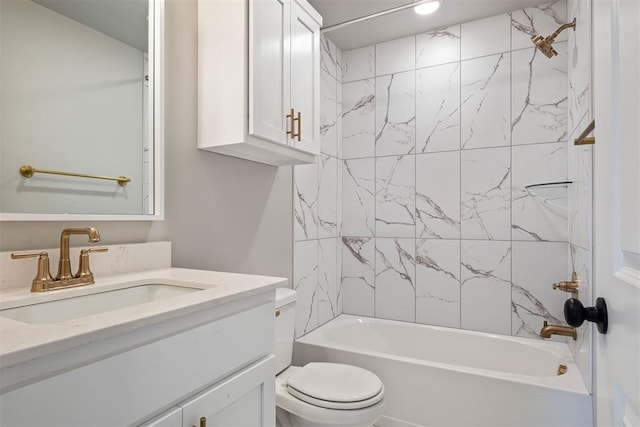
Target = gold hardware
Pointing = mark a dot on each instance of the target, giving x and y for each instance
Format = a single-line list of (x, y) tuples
[(570, 287), (203, 422), (544, 43), (582, 139), (63, 279), (562, 369), (291, 130), (43, 276), (28, 171), (83, 265), (277, 313), (299, 119), (567, 331)]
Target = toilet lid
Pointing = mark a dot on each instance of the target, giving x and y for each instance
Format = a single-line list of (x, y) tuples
[(335, 386)]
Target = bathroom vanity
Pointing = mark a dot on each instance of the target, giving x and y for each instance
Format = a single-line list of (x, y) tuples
[(166, 347)]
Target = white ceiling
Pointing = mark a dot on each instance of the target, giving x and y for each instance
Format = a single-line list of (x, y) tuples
[(406, 22)]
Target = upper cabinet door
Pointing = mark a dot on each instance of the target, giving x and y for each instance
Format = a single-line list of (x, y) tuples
[(269, 53), (305, 78)]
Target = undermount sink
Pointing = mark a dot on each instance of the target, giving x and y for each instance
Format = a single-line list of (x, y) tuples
[(80, 306)]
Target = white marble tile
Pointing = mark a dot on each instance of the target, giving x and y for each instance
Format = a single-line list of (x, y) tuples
[(358, 64), (540, 20), (358, 275), (328, 114), (581, 191), (580, 75), (580, 261), (438, 195), (358, 119), (395, 196), (486, 102), (396, 56), (486, 194), (539, 96), (305, 202), (539, 213), (438, 108), (328, 197), (339, 107), (395, 279), (437, 47), (486, 286), (486, 36), (328, 280), (395, 114), (328, 56), (358, 197), (438, 282), (536, 266), (305, 283)]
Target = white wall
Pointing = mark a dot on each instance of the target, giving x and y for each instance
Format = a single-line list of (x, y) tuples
[(71, 101), (222, 213)]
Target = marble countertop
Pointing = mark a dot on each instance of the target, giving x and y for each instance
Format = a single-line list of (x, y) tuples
[(21, 342)]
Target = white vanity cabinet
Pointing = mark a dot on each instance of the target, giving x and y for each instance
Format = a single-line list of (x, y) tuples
[(215, 363), (259, 80)]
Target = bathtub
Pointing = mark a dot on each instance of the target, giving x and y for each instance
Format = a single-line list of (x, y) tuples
[(436, 376)]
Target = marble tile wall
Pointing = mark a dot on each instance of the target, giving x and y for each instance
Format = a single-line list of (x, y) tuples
[(580, 158), (316, 209), (442, 132)]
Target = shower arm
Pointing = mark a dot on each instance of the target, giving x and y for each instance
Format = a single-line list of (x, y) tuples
[(552, 37)]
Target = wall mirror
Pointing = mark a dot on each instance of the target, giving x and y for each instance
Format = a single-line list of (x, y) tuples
[(81, 109)]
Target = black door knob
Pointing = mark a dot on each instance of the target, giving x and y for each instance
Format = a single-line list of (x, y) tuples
[(575, 313)]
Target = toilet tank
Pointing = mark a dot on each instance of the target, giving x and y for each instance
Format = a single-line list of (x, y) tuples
[(285, 322)]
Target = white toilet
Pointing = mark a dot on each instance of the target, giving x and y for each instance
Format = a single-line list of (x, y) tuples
[(320, 394)]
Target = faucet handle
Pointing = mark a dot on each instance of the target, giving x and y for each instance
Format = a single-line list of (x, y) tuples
[(43, 276), (83, 265)]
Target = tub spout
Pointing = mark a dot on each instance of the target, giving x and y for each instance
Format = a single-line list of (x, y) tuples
[(548, 330)]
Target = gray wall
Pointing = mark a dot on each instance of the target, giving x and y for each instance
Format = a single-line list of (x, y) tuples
[(221, 213)]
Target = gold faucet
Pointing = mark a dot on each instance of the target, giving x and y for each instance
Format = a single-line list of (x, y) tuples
[(567, 331), (64, 278), (570, 287)]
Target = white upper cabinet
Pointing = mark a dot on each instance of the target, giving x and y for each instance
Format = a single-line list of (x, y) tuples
[(258, 80)]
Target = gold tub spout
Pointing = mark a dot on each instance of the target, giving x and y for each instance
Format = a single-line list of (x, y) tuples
[(567, 331)]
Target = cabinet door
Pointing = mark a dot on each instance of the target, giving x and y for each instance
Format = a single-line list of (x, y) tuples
[(305, 77), (171, 418), (244, 399), (269, 59)]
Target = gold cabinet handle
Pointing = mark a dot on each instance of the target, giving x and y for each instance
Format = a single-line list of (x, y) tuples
[(292, 129), (277, 313), (299, 119), (203, 422)]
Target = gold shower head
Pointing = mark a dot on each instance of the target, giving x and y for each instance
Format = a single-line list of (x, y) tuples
[(544, 43)]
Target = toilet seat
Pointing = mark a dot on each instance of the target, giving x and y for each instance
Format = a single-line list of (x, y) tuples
[(285, 401), (335, 386)]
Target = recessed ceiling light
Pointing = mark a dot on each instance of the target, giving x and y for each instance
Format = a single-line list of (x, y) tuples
[(427, 8)]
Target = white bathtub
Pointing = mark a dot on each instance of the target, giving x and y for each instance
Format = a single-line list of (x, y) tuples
[(437, 376)]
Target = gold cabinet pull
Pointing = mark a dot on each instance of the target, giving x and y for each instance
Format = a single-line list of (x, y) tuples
[(203, 422), (277, 313), (299, 119), (292, 129)]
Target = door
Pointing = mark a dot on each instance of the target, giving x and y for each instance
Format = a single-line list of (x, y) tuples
[(617, 209), (305, 78), (245, 399), (269, 51)]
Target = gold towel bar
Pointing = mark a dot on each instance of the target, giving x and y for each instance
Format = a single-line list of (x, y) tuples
[(27, 171), (582, 139)]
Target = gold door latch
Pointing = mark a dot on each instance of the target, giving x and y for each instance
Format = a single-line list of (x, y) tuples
[(292, 128)]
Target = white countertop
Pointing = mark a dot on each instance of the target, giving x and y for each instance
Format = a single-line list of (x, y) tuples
[(20, 342)]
